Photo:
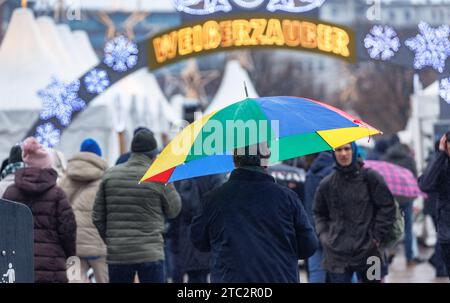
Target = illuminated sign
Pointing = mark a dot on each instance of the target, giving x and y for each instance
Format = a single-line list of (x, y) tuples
[(257, 32), (206, 7)]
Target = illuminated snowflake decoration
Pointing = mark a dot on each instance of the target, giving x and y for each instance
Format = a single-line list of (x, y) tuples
[(444, 89), (96, 81), (382, 42), (290, 5), (248, 4), (121, 54), (431, 46), (60, 100), (47, 134), (207, 7)]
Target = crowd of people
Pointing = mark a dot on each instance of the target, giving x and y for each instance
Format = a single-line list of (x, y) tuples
[(241, 227)]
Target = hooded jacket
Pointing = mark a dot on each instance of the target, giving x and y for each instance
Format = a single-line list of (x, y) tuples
[(54, 221), (81, 182), (350, 217)]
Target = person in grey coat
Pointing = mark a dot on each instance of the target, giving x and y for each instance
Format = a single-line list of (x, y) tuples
[(130, 216)]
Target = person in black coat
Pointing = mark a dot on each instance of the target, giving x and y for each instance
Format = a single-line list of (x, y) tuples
[(436, 178), (255, 229), (354, 213), (430, 208), (185, 257), (321, 167), (400, 154)]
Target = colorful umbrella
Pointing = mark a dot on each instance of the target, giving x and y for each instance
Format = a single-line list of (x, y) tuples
[(291, 127), (400, 180)]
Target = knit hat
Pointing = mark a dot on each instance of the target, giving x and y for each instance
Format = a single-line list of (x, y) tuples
[(15, 154), (143, 141), (90, 145), (34, 154), (140, 128)]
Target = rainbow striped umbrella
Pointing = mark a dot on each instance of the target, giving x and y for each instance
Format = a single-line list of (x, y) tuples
[(291, 127)]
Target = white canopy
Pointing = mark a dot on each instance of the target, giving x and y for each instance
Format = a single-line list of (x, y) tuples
[(232, 89), (89, 58), (72, 48), (27, 66), (31, 53), (56, 46), (139, 101), (26, 63)]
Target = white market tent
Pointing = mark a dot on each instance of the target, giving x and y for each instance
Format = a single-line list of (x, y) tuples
[(89, 58), (26, 66), (425, 110), (24, 72), (72, 48), (142, 103), (28, 63), (55, 44), (231, 88)]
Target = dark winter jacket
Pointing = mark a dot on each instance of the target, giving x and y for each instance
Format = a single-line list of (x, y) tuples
[(54, 221), (321, 167), (290, 176), (399, 154), (255, 229), (349, 219), (436, 178), (191, 191), (130, 216)]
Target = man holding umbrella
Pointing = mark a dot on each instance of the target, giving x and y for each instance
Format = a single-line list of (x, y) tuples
[(354, 212), (255, 229)]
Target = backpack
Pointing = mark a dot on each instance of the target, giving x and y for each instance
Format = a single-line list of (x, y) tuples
[(398, 228)]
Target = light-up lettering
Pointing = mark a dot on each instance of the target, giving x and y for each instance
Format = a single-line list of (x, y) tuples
[(219, 35)]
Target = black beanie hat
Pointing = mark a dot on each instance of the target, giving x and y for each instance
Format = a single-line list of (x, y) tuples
[(143, 141), (15, 154)]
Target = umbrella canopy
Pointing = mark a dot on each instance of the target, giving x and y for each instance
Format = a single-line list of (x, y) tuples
[(291, 127), (400, 180)]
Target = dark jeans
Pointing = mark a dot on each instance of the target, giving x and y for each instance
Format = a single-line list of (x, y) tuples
[(445, 253), (197, 276), (407, 208), (150, 272), (346, 277)]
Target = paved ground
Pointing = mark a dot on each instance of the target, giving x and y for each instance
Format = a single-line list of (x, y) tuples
[(400, 273), (421, 273)]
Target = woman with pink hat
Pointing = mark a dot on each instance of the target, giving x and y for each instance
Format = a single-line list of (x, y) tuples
[(54, 221)]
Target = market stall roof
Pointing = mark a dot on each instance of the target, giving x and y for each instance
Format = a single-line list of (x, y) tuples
[(232, 87)]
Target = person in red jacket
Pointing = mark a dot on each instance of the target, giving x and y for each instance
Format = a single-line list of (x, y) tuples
[(54, 221)]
